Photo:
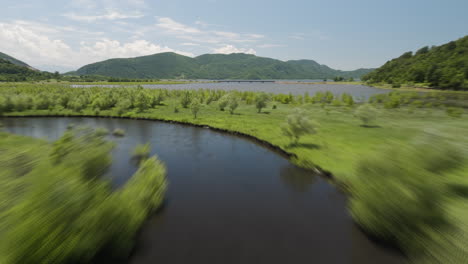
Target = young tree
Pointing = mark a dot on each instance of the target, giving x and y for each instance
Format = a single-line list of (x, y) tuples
[(297, 124), (233, 103), (195, 107), (223, 102), (261, 101), (186, 99), (367, 113)]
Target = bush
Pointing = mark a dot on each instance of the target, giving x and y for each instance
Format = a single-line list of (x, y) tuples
[(195, 107), (141, 152), (186, 99), (223, 102), (454, 112), (63, 216), (118, 132), (398, 192), (367, 113), (261, 101), (233, 103), (297, 125)]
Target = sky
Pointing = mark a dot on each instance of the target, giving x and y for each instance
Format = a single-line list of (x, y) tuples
[(343, 34)]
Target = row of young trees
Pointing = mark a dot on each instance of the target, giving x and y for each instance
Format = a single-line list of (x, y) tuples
[(31, 97)]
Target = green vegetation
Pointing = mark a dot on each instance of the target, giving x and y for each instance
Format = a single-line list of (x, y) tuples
[(118, 132), (444, 67), (401, 192), (297, 125), (13, 60), (340, 147), (10, 72), (141, 152), (367, 113), (56, 208), (212, 66)]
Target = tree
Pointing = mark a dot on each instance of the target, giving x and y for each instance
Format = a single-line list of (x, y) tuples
[(261, 101), (186, 99), (233, 103), (142, 102), (367, 113), (297, 124), (223, 102), (195, 107)]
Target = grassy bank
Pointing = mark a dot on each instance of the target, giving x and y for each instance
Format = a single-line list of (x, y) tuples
[(341, 145), (55, 207)]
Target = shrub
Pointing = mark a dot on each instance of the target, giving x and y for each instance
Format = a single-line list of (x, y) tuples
[(367, 113), (118, 132), (141, 152), (63, 217), (297, 124), (261, 101), (195, 107), (186, 99), (223, 102), (398, 192), (233, 103), (454, 112)]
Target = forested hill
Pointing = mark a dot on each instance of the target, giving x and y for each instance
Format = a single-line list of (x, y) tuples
[(11, 72), (13, 60), (444, 66), (212, 66)]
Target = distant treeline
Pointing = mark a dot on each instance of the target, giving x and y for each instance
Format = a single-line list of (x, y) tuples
[(444, 67)]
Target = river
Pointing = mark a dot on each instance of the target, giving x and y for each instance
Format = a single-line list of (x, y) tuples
[(230, 200)]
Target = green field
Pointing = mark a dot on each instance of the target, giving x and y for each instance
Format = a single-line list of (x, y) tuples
[(341, 145)]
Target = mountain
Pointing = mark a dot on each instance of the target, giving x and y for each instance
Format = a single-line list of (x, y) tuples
[(444, 67), (212, 66), (13, 60), (12, 70)]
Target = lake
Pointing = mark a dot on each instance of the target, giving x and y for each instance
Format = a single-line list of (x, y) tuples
[(229, 200)]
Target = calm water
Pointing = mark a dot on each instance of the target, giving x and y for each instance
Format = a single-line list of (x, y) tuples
[(358, 91), (229, 200)]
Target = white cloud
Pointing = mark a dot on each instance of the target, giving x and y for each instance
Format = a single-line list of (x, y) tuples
[(316, 34), (255, 36), (109, 15), (228, 49), (40, 48), (264, 46), (172, 26), (189, 44), (114, 49), (198, 35)]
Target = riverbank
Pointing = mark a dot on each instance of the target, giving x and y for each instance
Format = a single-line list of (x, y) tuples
[(411, 88)]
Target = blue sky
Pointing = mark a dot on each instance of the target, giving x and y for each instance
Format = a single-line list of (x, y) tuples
[(64, 35)]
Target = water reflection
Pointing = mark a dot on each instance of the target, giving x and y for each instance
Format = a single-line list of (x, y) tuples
[(297, 179)]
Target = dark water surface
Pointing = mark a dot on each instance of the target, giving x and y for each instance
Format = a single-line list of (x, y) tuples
[(357, 91), (229, 200)]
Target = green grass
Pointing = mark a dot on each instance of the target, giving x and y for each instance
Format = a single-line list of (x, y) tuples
[(55, 208)]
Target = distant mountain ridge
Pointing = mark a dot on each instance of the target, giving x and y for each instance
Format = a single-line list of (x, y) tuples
[(171, 65), (13, 70), (14, 60)]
